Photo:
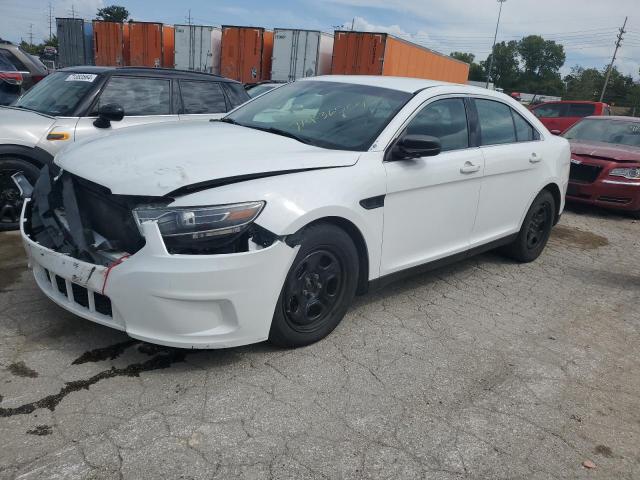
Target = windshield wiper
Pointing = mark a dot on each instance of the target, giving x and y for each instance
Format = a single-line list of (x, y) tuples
[(283, 133), (226, 120)]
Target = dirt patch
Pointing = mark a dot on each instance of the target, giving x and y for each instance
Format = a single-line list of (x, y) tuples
[(574, 237), (20, 369), (12, 259), (40, 430), (604, 451)]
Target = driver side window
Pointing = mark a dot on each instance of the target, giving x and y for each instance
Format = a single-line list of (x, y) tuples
[(445, 119)]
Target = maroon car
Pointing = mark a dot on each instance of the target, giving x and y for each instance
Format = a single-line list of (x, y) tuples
[(605, 163)]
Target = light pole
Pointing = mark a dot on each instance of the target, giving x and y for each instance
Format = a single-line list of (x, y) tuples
[(494, 43)]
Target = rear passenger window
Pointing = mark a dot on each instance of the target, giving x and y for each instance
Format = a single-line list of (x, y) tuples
[(496, 123), (581, 109), (445, 119), (138, 95), (202, 97), (524, 131), (553, 110)]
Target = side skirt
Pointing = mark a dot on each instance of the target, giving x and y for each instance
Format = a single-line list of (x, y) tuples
[(382, 282)]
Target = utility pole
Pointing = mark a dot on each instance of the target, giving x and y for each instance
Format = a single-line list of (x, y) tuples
[(189, 18), (50, 21), (31, 34), (73, 11), (622, 31), (353, 21), (495, 36)]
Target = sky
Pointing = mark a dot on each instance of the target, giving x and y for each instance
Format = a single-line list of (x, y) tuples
[(587, 28)]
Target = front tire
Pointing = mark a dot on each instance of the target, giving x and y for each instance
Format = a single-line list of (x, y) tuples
[(535, 231), (10, 201), (318, 289)]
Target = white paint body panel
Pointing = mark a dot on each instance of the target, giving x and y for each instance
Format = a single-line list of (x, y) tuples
[(432, 210), (197, 48), (300, 53)]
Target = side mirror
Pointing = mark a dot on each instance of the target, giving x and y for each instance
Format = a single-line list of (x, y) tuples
[(111, 112), (411, 146)]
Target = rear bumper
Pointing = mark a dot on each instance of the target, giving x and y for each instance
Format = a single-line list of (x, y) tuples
[(188, 301)]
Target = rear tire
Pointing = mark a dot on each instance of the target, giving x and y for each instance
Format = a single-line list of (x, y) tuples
[(10, 201), (318, 289), (535, 230)]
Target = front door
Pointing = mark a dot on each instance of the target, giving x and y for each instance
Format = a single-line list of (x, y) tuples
[(431, 202), (144, 100)]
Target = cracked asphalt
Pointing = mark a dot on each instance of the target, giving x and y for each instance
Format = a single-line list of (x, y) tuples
[(486, 369)]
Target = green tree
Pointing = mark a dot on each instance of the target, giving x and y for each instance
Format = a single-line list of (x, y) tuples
[(113, 13), (583, 83), (506, 68), (540, 57), (476, 72)]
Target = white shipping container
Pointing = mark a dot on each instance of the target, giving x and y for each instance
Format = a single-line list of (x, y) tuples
[(300, 53), (197, 48)]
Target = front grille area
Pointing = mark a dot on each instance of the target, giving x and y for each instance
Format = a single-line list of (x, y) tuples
[(584, 173), (619, 200), (79, 295)]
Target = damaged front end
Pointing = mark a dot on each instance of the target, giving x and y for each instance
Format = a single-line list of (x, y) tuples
[(84, 220)]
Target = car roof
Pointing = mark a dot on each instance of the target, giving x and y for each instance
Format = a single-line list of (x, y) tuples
[(148, 72), (404, 84), (589, 102)]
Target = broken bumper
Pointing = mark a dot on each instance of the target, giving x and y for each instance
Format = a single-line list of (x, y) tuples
[(188, 301)]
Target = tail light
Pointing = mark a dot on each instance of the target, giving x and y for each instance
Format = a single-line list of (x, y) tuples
[(12, 78)]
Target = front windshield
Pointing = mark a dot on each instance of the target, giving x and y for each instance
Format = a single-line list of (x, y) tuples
[(619, 132), (58, 94), (326, 114)]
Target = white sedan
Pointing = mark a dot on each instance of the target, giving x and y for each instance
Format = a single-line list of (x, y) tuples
[(267, 223)]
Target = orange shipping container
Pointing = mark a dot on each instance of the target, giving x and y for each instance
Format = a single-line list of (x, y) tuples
[(363, 53), (168, 47), (110, 41), (145, 44), (246, 53)]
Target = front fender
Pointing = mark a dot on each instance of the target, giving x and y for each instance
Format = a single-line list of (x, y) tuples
[(35, 155)]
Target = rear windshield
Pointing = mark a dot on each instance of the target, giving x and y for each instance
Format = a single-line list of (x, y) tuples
[(618, 132), (58, 94), (326, 114)]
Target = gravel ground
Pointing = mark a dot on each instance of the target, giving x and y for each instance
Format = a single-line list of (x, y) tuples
[(485, 369)]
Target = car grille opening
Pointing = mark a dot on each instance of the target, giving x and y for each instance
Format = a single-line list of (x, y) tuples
[(80, 295), (61, 285), (619, 200), (584, 173), (103, 304)]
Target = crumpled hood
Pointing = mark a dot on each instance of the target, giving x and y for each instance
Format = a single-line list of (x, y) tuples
[(22, 127), (155, 160), (619, 153)]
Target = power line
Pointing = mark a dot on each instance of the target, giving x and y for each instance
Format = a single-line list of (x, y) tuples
[(613, 59)]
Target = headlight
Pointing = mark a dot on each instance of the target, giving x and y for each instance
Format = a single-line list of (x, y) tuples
[(199, 223), (630, 173)]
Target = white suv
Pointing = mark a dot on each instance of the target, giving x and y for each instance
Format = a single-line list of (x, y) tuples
[(264, 225)]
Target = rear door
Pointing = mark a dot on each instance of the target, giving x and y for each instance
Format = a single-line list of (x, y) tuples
[(145, 100), (201, 100), (513, 158)]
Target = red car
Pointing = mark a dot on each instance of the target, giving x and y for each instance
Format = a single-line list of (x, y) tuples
[(605, 163), (558, 116)]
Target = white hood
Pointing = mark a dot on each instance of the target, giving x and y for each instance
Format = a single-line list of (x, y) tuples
[(157, 159)]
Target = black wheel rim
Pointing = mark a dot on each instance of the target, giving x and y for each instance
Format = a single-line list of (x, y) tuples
[(313, 290), (10, 201), (539, 226)]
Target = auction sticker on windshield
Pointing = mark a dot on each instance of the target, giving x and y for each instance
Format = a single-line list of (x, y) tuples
[(81, 77)]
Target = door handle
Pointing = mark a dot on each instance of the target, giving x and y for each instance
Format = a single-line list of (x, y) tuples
[(469, 168), (534, 158)]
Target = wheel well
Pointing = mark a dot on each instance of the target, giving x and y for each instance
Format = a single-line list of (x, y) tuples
[(555, 191), (21, 156), (361, 247)]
